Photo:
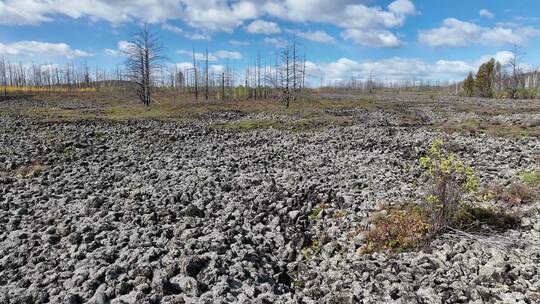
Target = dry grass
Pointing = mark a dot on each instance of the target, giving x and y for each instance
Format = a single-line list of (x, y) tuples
[(32, 170), (398, 229), (474, 126), (513, 194)]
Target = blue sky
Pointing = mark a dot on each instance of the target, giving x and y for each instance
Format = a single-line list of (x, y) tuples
[(401, 39)]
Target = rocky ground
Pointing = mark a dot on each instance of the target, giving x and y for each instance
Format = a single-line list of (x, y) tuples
[(165, 212)]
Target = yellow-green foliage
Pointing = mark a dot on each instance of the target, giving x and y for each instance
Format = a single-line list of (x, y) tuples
[(450, 179), (312, 249), (531, 178), (317, 210), (52, 89), (442, 165)]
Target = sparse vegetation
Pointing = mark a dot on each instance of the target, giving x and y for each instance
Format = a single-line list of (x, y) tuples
[(408, 226), (531, 178), (312, 249), (449, 180), (513, 194), (32, 170), (482, 127), (399, 229), (317, 210)]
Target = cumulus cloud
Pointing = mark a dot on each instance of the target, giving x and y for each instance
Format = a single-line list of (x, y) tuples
[(238, 42), (212, 56), (316, 36), (189, 35), (37, 48), (263, 27), (216, 15), (457, 33), (213, 68), (396, 69), (121, 50), (372, 38), (485, 13), (277, 42)]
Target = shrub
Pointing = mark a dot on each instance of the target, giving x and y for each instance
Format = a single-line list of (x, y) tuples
[(449, 181), (408, 226), (399, 230)]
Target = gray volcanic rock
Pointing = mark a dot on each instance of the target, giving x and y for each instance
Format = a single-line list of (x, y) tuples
[(165, 212)]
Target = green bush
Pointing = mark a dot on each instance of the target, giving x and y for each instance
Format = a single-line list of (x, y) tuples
[(408, 226), (449, 181)]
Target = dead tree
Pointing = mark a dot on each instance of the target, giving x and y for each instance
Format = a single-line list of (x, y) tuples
[(145, 53), (206, 76), (3, 74), (517, 54)]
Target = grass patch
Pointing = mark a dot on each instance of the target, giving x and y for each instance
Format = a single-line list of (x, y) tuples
[(513, 194), (472, 218), (32, 170), (311, 250), (316, 211), (340, 214), (248, 125), (474, 126), (300, 125), (531, 178)]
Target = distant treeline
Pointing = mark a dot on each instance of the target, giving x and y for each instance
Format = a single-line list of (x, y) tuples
[(495, 81)]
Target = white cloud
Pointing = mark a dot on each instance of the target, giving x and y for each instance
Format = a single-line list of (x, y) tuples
[(403, 7), (186, 66), (395, 69), (457, 33), (365, 25), (503, 57), (37, 48), (214, 15), (172, 28), (263, 27), (122, 48), (485, 13), (317, 36), (372, 38), (189, 35), (228, 55), (277, 42), (342, 13), (238, 42), (198, 36), (211, 56)]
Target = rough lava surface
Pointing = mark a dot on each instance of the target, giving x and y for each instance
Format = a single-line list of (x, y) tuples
[(166, 212)]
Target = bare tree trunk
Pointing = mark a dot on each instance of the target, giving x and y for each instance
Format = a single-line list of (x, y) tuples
[(195, 75), (206, 76)]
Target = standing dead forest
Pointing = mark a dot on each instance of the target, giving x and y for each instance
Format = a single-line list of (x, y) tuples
[(282, 75)]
